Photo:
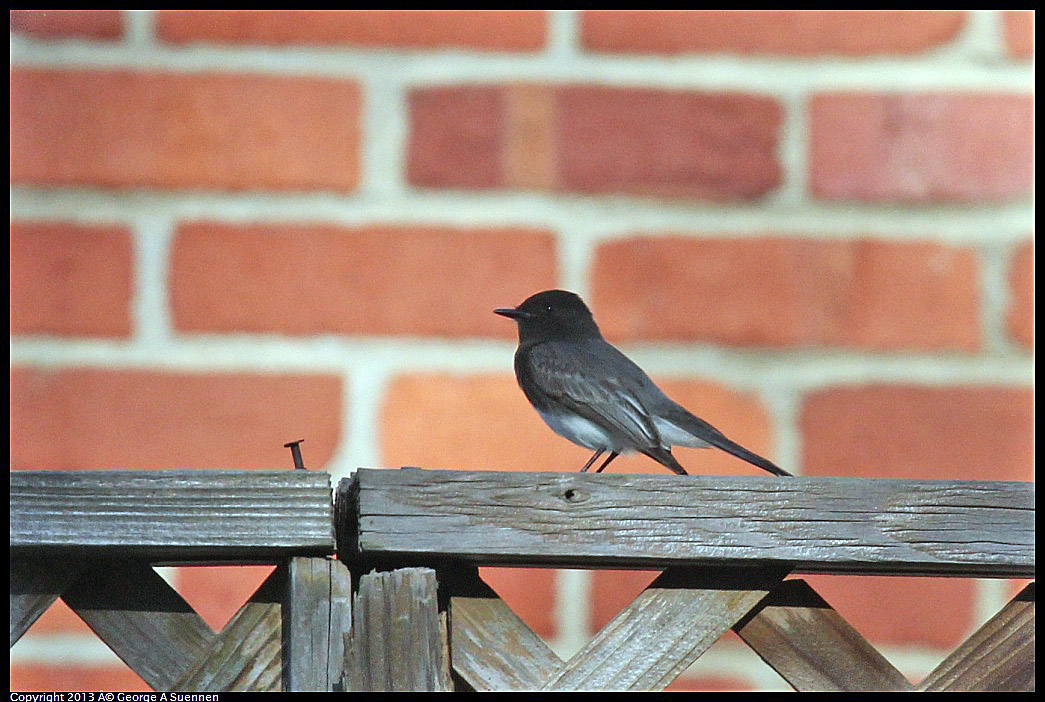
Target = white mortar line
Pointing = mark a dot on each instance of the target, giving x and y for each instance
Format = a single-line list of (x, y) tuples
[(150, 307), (933, 71), (598, 218), (572, 611)]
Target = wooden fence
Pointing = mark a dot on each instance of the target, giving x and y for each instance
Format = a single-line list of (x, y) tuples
[(403, 606)]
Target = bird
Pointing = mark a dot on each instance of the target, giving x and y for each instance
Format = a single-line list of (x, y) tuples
[(590, 393)]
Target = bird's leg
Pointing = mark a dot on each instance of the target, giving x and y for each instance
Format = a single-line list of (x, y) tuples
[(592, 460), (607, 461)]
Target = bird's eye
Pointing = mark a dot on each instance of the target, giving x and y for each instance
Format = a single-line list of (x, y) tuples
[(548, 308)]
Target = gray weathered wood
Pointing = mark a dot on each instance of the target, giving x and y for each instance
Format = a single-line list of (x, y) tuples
[(999, 657), (35, 585), (398, 638), (491, 647), (816, 525), (141, 618), (809, 644), (340, 623), (175, 515), (317, 613), (247, 654), (665, 629)]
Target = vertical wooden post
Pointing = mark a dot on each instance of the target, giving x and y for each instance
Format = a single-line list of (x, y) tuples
[(398, 641), (316, 614)]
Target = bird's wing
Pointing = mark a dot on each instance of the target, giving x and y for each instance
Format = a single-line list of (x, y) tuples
[(578, 377)]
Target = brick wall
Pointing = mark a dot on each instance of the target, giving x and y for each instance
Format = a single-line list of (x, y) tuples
[(235, 229)]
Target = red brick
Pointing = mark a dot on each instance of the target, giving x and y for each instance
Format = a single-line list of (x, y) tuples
[(1016, 586), (605, 139), (613, 590), (455, 137), (782, 292), (716, 146), (936, 613), (65, 677), (56, 24), (59, 619), (314, 278), (70, 280), (1019, 33), (921, 147), (216, 593), (483, 30), (530, 592), (1021, 302), (919, 433), (791, 33), (90, 419), (709, 683), (205, 130), (483, 422)]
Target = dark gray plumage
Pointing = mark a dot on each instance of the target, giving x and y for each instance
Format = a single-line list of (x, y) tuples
[(592, 394)]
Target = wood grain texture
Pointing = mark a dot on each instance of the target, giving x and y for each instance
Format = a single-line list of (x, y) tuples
[(814, 525), (491, 648), (141, 618), (999, 657), (809, 644), (171, 515), (247, 654), (35, 585), (316, 615), (398, 638), (668, 626)]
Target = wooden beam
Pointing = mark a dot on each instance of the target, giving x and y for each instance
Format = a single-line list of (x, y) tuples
[(813, 525), (35, 585), (398, 638), (248, 516), (141, 618), (999, 657), (809, 644)]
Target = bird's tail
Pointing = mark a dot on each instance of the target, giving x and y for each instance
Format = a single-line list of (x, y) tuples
[(720, 441), (663, 456)]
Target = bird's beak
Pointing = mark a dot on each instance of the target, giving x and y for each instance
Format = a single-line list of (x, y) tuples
[(512, 313)]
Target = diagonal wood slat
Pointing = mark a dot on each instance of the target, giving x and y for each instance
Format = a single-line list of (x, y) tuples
[(998, 657), (491, 647), (665, 629), (35, 584), (812, 647), (247, 654), (141, 618)]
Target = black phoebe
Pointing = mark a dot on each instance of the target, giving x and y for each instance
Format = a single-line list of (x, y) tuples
[(590, 393)]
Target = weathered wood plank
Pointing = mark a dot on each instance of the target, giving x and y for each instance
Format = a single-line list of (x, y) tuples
[(815, 525), (173, 515), (340, 623), (999, 657), (809, 644), (665, 629), (247, 655), (491, 647), (35, 584), (141, 618), (316, 614), (398, 638)]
